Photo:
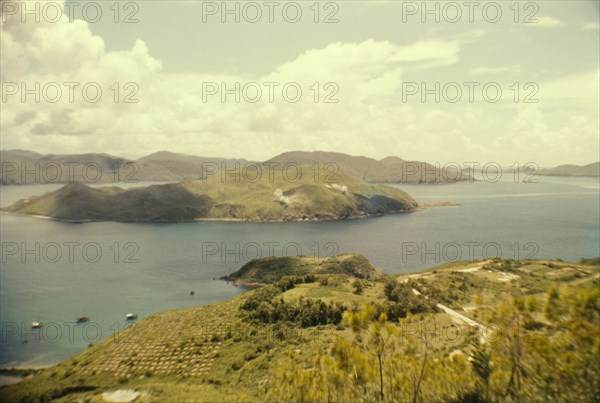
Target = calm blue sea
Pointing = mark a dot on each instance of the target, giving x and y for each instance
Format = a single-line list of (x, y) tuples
[(54, 272)]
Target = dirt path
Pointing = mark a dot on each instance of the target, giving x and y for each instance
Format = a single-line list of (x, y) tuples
[(471, 322)]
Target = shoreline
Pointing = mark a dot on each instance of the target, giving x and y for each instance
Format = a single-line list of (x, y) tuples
[(425, 206), (13, 375), (223, 219)]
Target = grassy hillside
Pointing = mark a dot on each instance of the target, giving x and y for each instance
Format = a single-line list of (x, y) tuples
[(78, 202), (387, 170), (162, 166), (20, 167), (318, 336), (268, 271), (591, 170), (275, 198), (166, 166)]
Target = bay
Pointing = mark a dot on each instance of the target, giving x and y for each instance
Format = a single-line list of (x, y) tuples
[(53, 272)]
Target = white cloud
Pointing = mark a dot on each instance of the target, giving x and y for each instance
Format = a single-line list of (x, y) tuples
[(496, 70), (530, 128), (582, 88), (171, 109), (591, 26), (547, 22), (368, 120)]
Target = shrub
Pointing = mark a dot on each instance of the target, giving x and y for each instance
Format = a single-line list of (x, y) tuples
[(359, 287)]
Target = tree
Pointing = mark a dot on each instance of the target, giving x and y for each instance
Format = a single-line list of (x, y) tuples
[(481, 362), (359, 287), (552, 302)]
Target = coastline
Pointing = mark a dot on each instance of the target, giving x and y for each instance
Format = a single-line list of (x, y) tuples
[(12, 375), (226, 219)]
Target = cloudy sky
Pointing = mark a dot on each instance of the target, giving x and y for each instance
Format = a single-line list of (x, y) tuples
[(490, 82)]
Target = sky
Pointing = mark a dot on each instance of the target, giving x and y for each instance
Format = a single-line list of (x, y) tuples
[(486, 81)]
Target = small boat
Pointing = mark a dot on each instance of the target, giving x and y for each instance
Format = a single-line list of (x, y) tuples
[(36, 325), (131, 316), (192, 292), (82, 319)]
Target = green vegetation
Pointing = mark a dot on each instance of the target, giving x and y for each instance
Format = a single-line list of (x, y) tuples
[(305, 313), (266, 199), (386, 170), (162, 166), (595, 261), (403, 301), (521, 360), (591, 170), (270, 270), (174, 167), (519, 331), (78, 202)]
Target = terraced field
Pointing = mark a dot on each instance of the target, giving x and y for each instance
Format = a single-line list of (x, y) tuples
[(218, 352), (183, 343)]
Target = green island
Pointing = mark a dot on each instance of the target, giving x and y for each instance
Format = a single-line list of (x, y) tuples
[(338, 329), (278, 196)]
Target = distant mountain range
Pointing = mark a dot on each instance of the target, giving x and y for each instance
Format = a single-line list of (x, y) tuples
[(274, 197), (592, 170), (386, 170), (28, 167)]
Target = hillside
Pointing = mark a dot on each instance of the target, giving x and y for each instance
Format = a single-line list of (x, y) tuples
[(268, 271), (591, 170), (426, 336), (26, 167), (168, 166), (20, 167), (78, 202), (387, 170), (264, 199)]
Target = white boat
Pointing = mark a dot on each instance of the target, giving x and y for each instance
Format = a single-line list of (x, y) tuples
[(131, 316), (36, 325)]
